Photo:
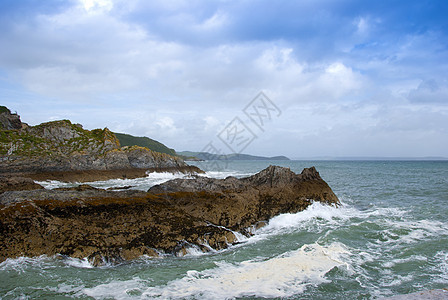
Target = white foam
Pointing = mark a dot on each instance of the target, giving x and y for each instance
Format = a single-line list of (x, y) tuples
[(397, 261), (20, 264), (411, 231), (225, 174), (442, 267), (280, 276), (192, 250), (301, 220), (53, 184), (117, 289), (142, 183), (79, 263)]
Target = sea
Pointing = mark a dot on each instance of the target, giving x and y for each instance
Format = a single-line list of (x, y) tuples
[(389, 237)]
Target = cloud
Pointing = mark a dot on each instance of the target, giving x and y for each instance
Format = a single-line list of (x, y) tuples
[(430, 91), (97, 6), (344, 74)]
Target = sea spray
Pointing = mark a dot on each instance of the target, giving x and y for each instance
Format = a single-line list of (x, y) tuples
[(281, 276)]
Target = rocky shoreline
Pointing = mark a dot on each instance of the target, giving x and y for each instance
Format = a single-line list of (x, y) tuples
[(110, 226), (96, 175)]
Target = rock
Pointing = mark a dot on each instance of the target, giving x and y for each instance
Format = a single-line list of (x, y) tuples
[(112, 226), (60, 146), (79, 188), (239, 203), (141, 158), (9, 121), (17, 184)]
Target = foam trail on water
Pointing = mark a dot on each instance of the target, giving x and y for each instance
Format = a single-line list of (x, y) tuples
[(224, 174), (281, 276), (143, 183), (53, 184)]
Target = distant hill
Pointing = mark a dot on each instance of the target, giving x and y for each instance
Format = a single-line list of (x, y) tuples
[(233, 156), (130, 140)]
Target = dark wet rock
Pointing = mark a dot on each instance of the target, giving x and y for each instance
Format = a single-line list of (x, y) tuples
[(116, 188), (14, 183), (112, 226), (79, 188)]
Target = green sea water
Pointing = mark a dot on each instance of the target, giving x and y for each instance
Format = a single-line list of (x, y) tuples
[(389, 237)]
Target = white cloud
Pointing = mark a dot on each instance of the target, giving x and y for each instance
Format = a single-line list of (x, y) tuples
[(182, 93), (362, 26), (340, 80), (216, 21), (97, 6)]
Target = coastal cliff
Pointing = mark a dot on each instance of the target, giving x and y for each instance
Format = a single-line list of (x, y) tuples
[(107, 227), (53, 149)]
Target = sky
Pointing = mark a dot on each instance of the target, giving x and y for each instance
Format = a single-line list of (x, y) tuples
[(310, 78)]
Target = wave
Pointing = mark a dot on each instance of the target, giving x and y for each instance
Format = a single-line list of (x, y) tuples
[(281, 276), (225, 174), (143, 183)]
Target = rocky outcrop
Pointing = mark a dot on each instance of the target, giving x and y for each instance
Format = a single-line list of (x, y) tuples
[(61, 146), (8, 120), (108, 226), (239, 203), (17, 184)]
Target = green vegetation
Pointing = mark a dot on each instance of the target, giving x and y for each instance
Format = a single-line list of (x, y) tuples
[(62, 138), (56, 138), (4, 109), (129, 140)]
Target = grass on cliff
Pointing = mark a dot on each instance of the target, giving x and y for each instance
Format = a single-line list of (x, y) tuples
[(129, 140), (47, 139), (4, 109)]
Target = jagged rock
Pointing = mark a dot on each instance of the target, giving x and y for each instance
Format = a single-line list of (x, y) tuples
[(140, 157), (240, 203), (9, 121), (108, 226)]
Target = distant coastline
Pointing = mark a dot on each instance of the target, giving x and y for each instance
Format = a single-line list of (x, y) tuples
[(201, 156)]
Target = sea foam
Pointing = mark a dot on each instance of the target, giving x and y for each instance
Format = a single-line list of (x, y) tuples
[(281, 276)]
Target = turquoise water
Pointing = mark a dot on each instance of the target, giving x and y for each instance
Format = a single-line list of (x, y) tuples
[(390, 237)]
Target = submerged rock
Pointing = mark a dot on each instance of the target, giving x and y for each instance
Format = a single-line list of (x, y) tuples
[(111, 226)]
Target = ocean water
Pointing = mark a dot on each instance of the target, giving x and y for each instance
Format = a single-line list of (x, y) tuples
[(389, 237)]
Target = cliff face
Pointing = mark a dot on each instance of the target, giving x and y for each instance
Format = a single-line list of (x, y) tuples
[(9, 121), (110, 226), (61, 146)]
